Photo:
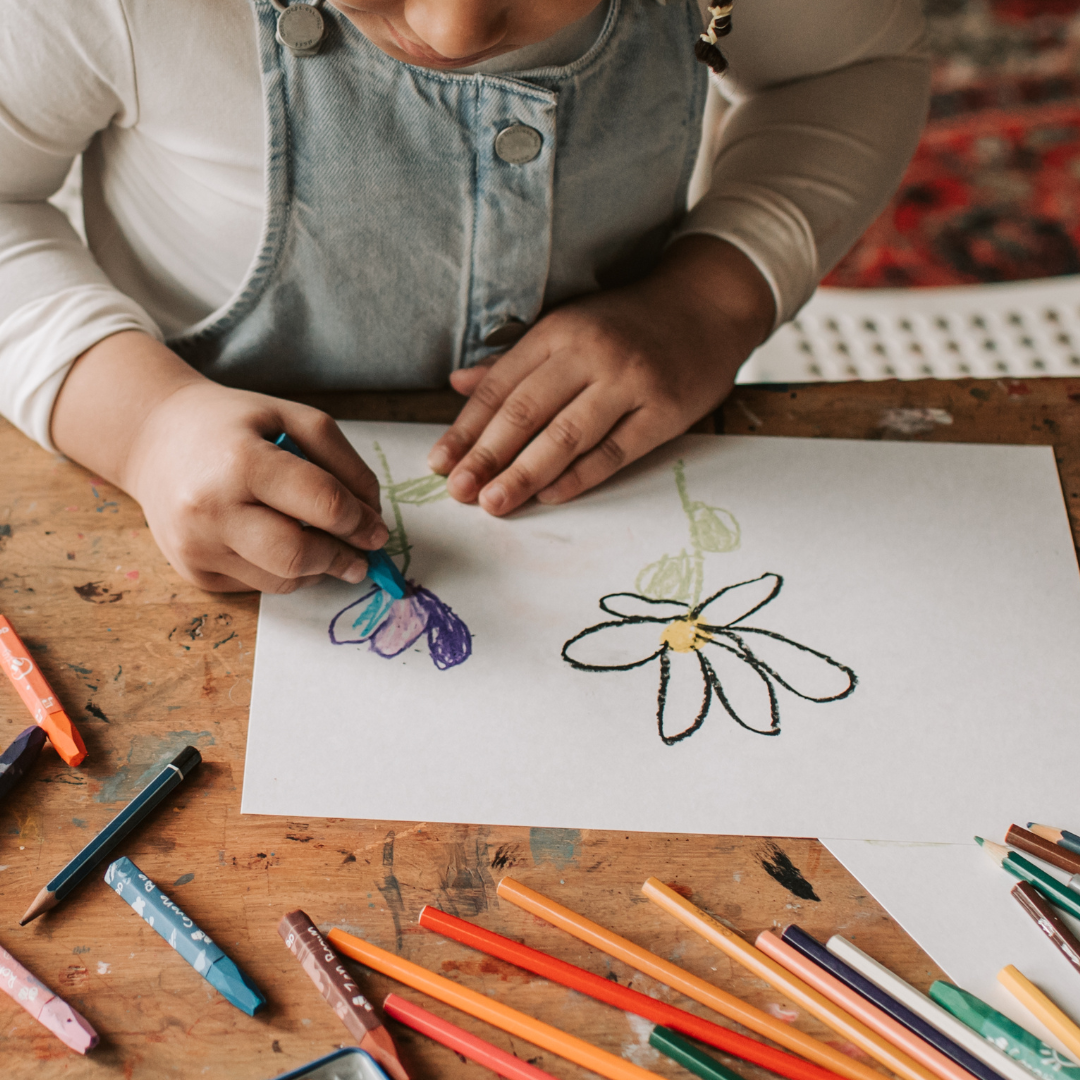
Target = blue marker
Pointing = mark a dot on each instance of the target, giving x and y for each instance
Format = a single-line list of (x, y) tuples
[(381, 568), (152, 905)]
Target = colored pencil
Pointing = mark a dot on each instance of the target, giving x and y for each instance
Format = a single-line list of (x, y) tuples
[(1018, 866), (1044, 849), (1042, 1060), (1068, 840), (45, 1006), (811, 948), (689, 1056), (1046, 918), (701, 991), (1042, 1008), (193, 944), (461, 1041), (929, 1010), (818, 978), (333, 981), (485, 1008), (133, 815), (43, 704), (779, 977), (18, 759), (622, 997)]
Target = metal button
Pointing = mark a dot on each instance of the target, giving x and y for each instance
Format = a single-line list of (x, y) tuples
[(506, 333), (300, 27), (518, 144)]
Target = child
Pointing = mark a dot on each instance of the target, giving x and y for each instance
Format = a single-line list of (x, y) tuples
[(393, 193)]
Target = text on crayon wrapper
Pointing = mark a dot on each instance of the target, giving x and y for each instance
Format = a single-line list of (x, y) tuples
[(26, 993)]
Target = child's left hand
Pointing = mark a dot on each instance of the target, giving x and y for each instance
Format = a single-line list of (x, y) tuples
[(602, 380)]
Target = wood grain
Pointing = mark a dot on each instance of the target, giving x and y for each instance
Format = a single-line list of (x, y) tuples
[(145, 663)]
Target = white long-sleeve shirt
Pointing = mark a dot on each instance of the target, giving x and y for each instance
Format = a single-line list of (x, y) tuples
[(805, 138)]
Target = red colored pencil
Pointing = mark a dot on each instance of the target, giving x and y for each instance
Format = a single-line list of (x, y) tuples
[(442, 1031), (622, 997)]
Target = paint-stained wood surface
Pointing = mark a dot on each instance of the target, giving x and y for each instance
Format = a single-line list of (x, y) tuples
[(146, 664)]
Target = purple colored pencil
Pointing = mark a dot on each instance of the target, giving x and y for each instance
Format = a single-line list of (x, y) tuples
[(813, 950)]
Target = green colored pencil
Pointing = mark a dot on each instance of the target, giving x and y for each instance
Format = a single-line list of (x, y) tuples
[(1061, 895), (1038, 1058), (689, 1056)]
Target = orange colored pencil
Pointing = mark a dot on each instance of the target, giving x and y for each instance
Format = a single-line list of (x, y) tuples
[(44, 707), (877, 1020), (671, 975), (489, 1010), (779, 978)]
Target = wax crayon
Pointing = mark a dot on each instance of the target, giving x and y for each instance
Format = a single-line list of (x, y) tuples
[(336, 985), (124, 823), (44, 707), (17, 760), (1042, 1008), (208, 959), (381, 568), (45, 1006), (1046, 918)]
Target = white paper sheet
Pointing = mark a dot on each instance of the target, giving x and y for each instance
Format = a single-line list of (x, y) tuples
[(944, 576), (955, 903)]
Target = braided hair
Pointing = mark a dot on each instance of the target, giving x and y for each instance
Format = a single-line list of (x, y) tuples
[(705, 48)]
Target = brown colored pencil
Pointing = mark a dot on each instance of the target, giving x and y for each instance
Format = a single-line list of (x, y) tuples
[(1042, 848), (1048, 921)]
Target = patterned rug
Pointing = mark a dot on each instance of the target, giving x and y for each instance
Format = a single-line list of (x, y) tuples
[(993, 193)]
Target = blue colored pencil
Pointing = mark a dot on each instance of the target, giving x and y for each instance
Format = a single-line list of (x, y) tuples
[(1062, 837), (381, 568), (118, 829), (208, 959), (17, 759), (813, 950)]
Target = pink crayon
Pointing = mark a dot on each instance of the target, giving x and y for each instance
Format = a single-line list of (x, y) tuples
[(44, 1006)]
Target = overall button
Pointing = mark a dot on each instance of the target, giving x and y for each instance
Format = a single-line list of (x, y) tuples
[(518, 144), (507, 332)]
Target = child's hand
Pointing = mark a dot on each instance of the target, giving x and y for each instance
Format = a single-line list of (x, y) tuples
[(223, 503), (603, 380)]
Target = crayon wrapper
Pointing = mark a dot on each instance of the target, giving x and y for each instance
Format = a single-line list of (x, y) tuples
[(329, 974), (158, 911), (24, 674), (16, 981)]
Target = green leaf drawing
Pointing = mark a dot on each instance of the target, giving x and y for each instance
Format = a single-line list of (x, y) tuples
[(424, 489), (397, 544), (669, 578), (712, 528)]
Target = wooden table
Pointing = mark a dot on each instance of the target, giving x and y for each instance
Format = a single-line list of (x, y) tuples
[(146, 664)]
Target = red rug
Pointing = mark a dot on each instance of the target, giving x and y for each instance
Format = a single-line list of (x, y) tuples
[(993, 193)]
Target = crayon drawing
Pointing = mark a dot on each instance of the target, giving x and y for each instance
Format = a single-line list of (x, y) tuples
[(666, 621), (391, 626)]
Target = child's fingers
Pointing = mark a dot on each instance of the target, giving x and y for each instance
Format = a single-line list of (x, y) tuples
[(308, 493), (574, 431), (632, 437), (532, 410), (278, 546), (319, 436), (485, 401)]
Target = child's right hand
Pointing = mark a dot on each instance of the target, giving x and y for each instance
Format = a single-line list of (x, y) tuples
[(223, 503)]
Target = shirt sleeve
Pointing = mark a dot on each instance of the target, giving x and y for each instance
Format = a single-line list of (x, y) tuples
[(825, 103), (68, 74)]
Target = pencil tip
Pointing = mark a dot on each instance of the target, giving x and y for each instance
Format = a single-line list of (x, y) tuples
[(980, 841), (43, 902)]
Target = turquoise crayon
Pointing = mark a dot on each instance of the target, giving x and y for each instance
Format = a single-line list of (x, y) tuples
[(381, 568), (208, 959)]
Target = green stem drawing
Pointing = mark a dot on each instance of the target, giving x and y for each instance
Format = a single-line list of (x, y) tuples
[(682, 577), (416, 492)]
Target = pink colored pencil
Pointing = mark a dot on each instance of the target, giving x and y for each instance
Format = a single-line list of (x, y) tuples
[(44, 1006), (442, 1031), (875, 1019)]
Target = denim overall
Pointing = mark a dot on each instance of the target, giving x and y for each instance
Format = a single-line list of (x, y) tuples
[(408, 232)]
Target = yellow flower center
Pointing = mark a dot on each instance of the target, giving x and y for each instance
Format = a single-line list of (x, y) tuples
[(683, 635)]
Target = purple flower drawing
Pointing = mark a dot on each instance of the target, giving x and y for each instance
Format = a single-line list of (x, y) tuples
[(391, 626), (704, 652)]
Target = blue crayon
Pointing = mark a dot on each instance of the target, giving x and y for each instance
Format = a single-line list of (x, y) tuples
[(381, 568), (152, 905), (16, 760)]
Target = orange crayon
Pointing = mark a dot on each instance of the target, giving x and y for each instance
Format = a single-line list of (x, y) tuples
[(44, 707)]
